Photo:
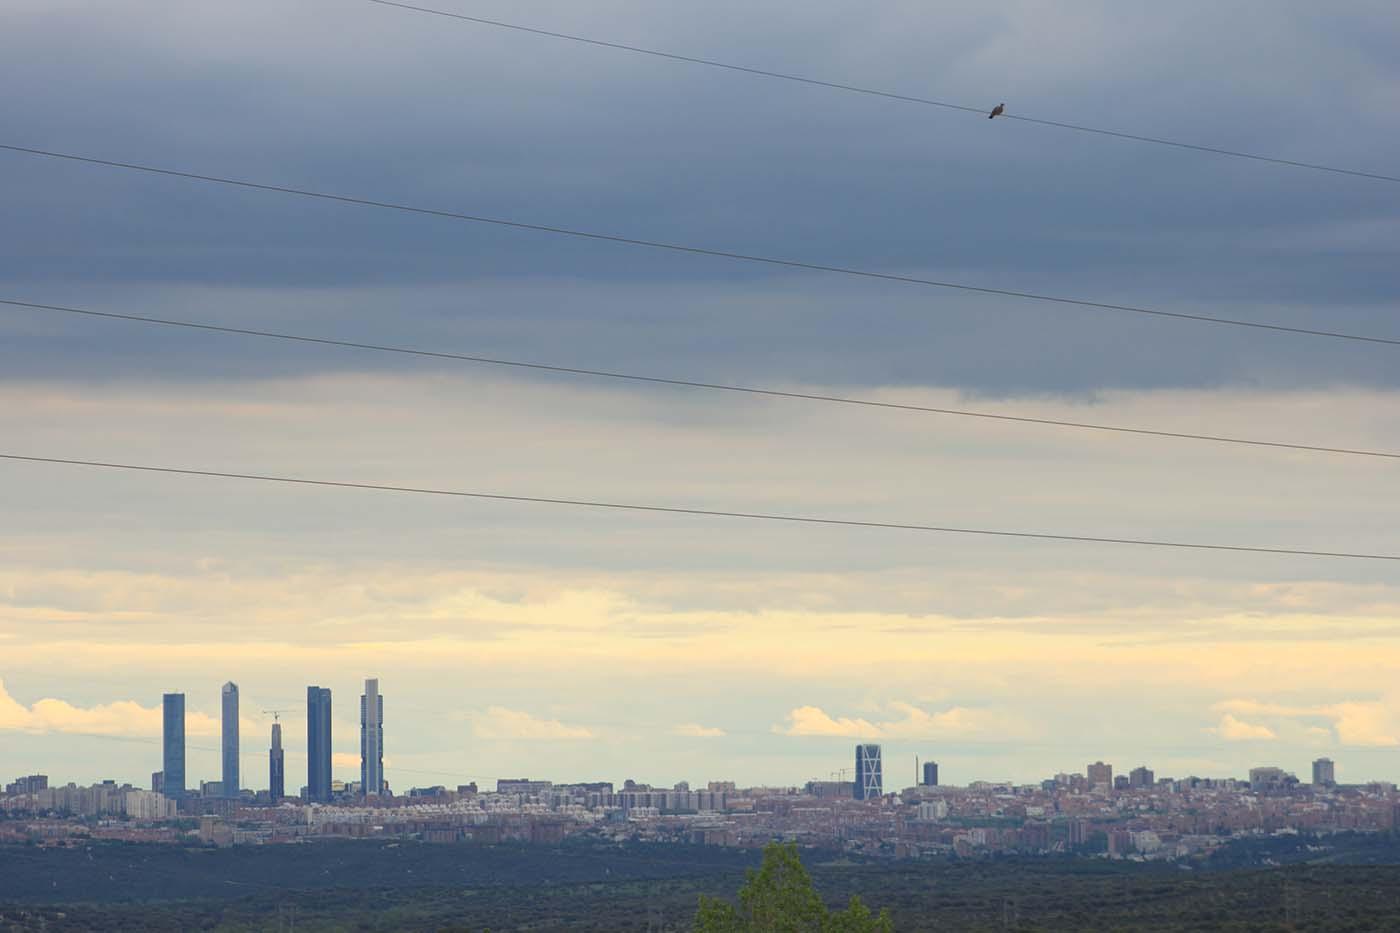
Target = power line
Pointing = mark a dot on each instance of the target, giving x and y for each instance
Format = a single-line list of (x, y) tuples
[(687, 383), (680, 510), (946, 743), (256, 755), (890, 95), (701, 251)]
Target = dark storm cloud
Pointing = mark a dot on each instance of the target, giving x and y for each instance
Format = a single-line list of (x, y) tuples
[(345, 97)]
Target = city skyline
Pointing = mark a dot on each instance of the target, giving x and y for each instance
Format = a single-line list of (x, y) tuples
[(346, 767), (866, 782), (1069, 814)]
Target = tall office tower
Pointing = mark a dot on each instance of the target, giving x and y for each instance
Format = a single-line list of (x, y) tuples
[(1324, 772), (869, 779), (1100, 773), (930, 774), (371, 739), (276, 766), (173, 775), (318, 744), (231, 783)]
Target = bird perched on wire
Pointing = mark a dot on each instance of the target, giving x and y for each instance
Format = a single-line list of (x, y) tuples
[(997, 111)]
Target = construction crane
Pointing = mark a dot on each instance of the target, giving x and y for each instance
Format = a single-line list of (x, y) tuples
[(274, 713)]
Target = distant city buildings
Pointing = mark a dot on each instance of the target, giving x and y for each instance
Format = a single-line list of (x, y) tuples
[(29, 784), (869, 776), (1263, 780), (526, 787), (104, 799), (276, 766), (1183, 820), (173, 745), (1129, 816), (844, 789), (231, 783), (372, 739), (1133, 815), (318, 744)]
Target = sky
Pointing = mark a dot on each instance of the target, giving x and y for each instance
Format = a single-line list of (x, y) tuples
[(564, 643)]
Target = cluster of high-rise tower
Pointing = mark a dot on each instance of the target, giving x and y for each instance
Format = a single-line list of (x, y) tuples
[(171, 780)]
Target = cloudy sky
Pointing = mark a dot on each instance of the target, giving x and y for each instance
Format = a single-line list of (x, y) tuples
[(570, 644)]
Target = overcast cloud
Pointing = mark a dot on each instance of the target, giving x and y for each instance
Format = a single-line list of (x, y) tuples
[(759, 650)]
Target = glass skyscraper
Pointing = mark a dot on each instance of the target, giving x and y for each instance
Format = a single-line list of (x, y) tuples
[(371, 739), (231, 784), (869, 783), (318, 744), (276, 773), (173, 745)]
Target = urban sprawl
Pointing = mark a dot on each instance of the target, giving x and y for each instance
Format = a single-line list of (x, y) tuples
[(1134, 816)]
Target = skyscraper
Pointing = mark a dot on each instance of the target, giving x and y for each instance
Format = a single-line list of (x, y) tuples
[(1100, 773), (230, 740), (173, 745), (318, 743), (276, 766), (869, 783), (1140, 778), (371, 739), (930, 774), (1324, 772)]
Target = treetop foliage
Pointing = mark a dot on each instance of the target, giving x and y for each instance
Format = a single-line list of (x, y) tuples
[(780, 898)]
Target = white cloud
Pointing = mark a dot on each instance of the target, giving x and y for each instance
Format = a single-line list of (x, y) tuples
[(498, 722), (914, 723), (696, 731), (1371, 723), (120, 717), (813, 720), (1237, 730), (1364, 724)]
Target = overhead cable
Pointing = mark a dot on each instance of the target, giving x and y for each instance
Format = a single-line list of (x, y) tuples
[(706, 251), (693, 384), (890, 95), (683, 510)]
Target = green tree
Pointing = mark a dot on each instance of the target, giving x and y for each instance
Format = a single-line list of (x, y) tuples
[(780, 898), (857, 918)]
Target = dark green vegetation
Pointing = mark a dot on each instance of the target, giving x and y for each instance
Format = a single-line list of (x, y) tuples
[(1340, 884), (780, 898)]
